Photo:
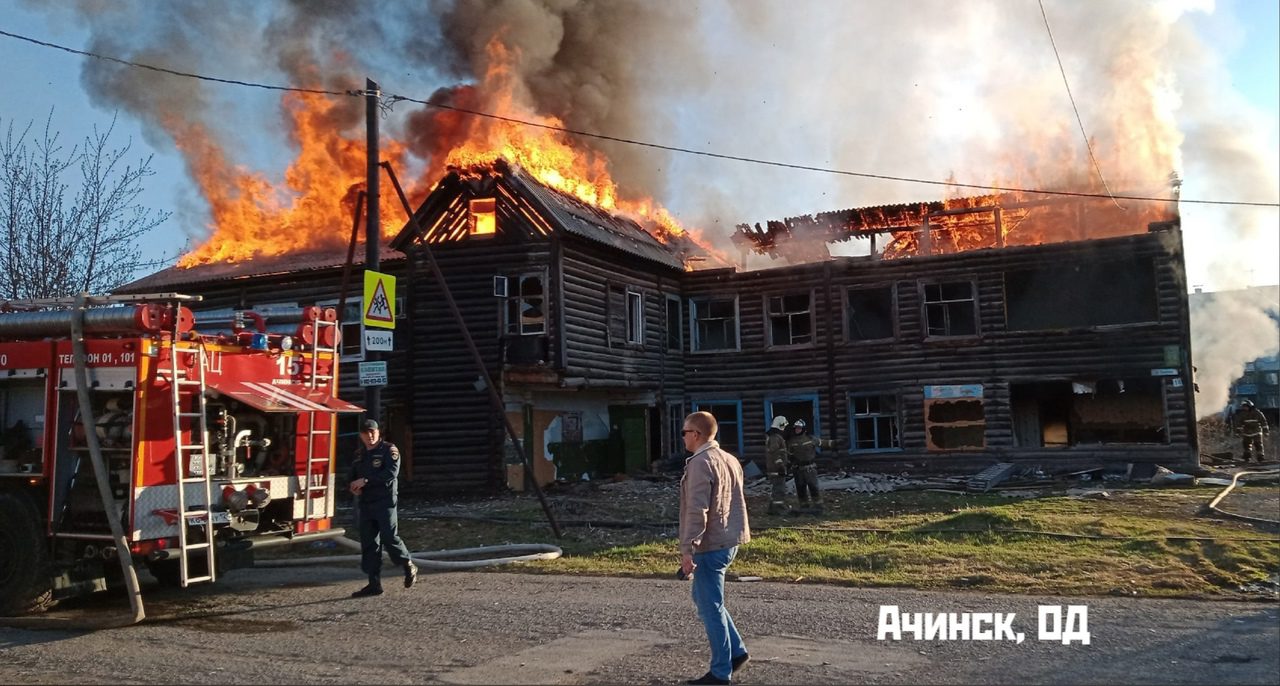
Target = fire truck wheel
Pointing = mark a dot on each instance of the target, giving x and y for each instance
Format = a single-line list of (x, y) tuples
[(24, 579)]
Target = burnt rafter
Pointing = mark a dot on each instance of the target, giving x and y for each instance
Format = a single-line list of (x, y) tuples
[(528, 209), (956, 225)]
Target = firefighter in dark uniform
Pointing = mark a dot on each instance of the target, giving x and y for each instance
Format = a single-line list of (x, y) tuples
[(374, 472), (775, 463), (802, 448), (1251, 424)]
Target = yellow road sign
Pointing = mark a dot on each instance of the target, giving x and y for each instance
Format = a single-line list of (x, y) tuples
[(379, 300)]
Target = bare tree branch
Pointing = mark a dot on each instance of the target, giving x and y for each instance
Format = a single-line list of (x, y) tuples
[(62, 232)]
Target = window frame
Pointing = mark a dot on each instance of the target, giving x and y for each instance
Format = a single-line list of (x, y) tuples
[(894, 324), (679, 322), (895, 416), (695, 343), (473, 223), (514, 293), (697, 405), (766, 302), (924, 284), (635, 325)]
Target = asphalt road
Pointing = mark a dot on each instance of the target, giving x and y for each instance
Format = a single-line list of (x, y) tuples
[(299, 626)]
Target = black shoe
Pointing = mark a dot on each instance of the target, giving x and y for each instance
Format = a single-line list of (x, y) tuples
[(410, 574), (739, 662), (367, 591), (708, 678)]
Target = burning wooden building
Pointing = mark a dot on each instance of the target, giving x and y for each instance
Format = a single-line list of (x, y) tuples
[(965, 338)]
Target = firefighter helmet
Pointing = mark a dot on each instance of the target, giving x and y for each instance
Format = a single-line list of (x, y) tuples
[(799, 424), (1246, 403), (779, 423)]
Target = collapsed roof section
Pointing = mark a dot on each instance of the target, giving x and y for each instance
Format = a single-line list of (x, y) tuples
[(959, 224)]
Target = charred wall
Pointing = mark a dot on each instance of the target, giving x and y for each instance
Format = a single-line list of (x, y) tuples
[(945, 346)]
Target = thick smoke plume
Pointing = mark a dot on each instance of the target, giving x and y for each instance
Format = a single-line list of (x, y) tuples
[(929, 89)]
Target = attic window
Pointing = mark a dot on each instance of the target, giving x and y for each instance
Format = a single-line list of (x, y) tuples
[(484, 217)]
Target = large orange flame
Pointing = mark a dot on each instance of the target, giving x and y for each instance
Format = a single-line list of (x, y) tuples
[(252, 218), (549, 156)]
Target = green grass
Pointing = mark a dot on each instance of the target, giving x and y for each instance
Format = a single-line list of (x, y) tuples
[(933, 541)]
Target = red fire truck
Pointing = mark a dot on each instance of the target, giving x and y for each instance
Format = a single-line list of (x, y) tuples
[(213, 444)]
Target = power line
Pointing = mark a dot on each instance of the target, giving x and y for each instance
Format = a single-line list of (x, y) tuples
[(647, 144), (1088, 146), (174, 72)]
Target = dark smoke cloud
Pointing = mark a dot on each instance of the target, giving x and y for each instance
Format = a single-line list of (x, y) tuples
[(928, 88)]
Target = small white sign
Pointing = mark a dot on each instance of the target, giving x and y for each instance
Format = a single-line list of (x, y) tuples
[(373, 374), (1164, 371), (378, 339)]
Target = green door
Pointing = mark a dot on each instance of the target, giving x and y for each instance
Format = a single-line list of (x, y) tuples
[(632, 423)]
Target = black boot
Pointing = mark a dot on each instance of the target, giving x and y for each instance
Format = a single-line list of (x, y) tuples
[(373, 588)]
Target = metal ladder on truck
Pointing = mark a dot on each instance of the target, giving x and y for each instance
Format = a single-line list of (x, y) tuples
[(188, 457), (316, 486)]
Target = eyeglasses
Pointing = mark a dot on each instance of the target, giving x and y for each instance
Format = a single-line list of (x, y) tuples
[(688, 431)]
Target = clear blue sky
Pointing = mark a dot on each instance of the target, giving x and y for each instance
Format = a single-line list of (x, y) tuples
[(38, 79)]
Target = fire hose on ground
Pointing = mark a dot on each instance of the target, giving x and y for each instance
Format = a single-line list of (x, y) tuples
[(1213, 504), (438, 560)]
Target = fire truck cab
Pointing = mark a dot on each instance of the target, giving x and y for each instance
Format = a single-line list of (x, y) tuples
[(214, 443)]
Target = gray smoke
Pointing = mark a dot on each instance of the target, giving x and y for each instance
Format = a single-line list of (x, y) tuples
[(930, 89)]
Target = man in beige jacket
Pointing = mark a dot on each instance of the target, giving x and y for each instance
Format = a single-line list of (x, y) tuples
[(713, 523)]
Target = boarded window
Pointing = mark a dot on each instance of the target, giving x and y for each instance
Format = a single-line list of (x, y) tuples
[(869, 313), (1081, 295), (675, 338), (715, 323), (635, 317), (1120, 411), (615, 314), (950, 309), (790, 319), (954, 423), (483, 218), (874, 422), (526, 306)]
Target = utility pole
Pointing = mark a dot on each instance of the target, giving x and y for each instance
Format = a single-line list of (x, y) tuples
[(372, 230)]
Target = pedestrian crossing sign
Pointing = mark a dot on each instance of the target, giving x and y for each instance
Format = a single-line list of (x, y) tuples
[(379, 300)]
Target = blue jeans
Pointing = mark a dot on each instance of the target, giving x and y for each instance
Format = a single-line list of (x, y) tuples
[(708, 597)]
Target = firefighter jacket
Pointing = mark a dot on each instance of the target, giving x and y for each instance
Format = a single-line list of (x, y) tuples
[(380, 465), (775, 451), (803, 448), (1250, 421)]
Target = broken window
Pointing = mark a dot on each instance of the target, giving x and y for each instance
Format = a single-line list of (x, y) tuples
[(1081, 295), (1041, 413), (715, 323), (483, 218), (874, 422), (950, 309), (675, 337), (1119, 411), (525, 314), (954, 418), (675, 424), (728, 414), (635, 317), (869, 313), (790, 319)]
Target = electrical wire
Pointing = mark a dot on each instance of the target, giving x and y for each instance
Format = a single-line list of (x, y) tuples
[(392, 98), (1080, 122)]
